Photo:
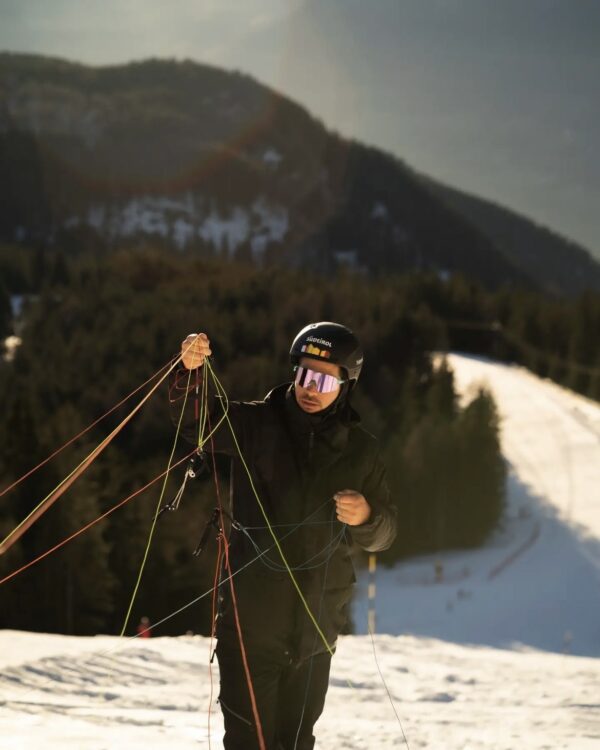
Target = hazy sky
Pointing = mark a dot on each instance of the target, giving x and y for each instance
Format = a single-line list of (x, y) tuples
[(497, 97)]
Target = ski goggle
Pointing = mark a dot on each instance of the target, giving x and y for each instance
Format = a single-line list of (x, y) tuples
[(323, 382)]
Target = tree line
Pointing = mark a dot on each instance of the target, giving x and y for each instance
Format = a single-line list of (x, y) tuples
[(105, 324)]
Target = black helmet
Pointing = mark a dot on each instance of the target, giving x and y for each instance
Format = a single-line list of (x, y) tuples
[(329, 342)]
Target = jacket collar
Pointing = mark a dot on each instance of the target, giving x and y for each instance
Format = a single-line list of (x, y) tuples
[(346, 415)]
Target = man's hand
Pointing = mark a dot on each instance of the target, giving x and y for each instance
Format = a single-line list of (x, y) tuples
[(194, 348), (351, 507)]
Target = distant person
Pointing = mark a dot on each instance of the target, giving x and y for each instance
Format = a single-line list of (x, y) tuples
[(322, 483), (144, 629)]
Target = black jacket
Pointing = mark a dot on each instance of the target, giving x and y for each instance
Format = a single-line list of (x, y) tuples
[(297, 462)]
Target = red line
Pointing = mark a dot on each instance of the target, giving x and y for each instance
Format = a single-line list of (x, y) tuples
[(92, 523), (213, 630), (261, 739), (89, 427)]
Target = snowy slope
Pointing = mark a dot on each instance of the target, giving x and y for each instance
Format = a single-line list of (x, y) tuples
[(537, 584), (59, 693), (550, 435)]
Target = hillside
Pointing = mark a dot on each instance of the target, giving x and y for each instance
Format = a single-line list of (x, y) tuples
[(528, 245), (535, 584), (209, 161)]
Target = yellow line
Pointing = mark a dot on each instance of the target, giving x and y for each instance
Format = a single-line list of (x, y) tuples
[(260, 505)]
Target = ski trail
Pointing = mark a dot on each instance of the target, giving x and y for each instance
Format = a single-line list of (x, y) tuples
[(536, 582)]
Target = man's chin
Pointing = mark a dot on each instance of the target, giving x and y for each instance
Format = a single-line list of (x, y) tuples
[(309, 406)]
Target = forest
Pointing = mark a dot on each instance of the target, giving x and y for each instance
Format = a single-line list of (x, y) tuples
[(94, 328)]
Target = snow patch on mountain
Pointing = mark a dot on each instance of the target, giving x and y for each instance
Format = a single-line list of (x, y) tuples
[(187, 217), (379, 211), (55, 111), (272, 157), (226, 232), (16, 304)]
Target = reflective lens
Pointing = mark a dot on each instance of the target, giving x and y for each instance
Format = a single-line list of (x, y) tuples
[(323, 382)]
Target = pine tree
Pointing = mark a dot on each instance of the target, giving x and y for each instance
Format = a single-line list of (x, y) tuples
[(482, 460), (5, 314)]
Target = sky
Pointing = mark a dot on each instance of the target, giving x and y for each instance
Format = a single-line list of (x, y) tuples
[(500, 99)]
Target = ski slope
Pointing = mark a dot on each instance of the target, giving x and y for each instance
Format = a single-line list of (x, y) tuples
[(537, 582), (60, 693), (501, 654)]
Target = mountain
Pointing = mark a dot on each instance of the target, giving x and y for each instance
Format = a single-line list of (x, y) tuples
[(561, 265), (210, 161)]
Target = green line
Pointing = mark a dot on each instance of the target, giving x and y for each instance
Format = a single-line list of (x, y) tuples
[(260, 505), (201, 441), (155, 519)]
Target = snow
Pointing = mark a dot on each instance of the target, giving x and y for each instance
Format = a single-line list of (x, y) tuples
[(379, 211), (225, 233), (501, 653), (98, 693), (550, 433), (258, 245), (185, 217), (58, 111), (273, 220), (11, 344), (138, 216), (20, 234), (96, 217), (16, 304), (536, 584), (183, 231), (272, 157), (347, 258)]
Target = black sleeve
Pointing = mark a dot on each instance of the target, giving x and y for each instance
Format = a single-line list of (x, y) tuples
[(379, 531), (181, 382)]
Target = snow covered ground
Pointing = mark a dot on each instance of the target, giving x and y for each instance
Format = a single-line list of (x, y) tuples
[(501, 654), (101, 694), (537, 582)]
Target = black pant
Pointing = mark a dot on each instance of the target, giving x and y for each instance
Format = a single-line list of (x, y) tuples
[(290, 698)]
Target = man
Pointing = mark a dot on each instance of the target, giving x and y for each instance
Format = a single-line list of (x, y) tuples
[(144, 629), (321, 481)]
